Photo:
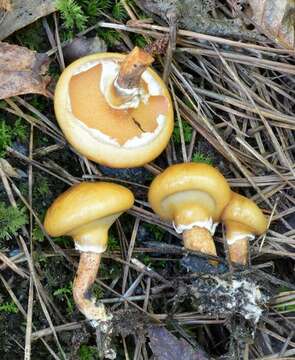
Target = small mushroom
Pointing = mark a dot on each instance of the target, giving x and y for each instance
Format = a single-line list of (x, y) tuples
[(243, 220), (114, 109), (193, 196), (85, 212)]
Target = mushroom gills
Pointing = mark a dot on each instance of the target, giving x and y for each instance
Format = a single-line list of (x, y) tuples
[(90, 106)]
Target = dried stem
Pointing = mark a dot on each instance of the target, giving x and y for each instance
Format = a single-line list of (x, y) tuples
[(132, 68)]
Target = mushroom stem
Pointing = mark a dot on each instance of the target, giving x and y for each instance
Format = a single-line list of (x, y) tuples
[(238, 251), (132, 68), (85, 277), (199, 239)]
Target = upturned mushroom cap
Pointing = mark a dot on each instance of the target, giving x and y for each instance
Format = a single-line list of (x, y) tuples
[(125, 137), (186, 193), (86, 211), (243, 216)]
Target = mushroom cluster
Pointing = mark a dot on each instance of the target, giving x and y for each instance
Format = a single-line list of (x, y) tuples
[(117, 111), (195, 197), (114, 109)]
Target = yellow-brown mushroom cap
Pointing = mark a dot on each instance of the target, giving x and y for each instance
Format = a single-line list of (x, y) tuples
[(243, 211), (85, 203), (113, 137), (194, 183)]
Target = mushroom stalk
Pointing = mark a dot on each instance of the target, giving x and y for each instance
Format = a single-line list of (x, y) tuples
[(131, 70), (199, 239), (243, 220), (239, 250), (85, 277)]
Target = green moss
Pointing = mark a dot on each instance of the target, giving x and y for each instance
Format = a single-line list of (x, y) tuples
[(72, 15), (113, 241), (66, 294), (97, 291), (8, 133), (5, 137), (138, 40), (187, 133), (111, 37), (11, 220), (37, 234), (93, 7), (199, 157), (9, 308), (119, 12), (88, 353)]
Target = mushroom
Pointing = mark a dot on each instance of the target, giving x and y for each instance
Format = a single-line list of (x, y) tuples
[(243, 220), (193, 196), (85, 212), (114, 109)]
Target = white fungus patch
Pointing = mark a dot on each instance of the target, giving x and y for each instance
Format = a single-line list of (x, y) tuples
[(218, 296), (206, 224), (239, 236), (97, 249)]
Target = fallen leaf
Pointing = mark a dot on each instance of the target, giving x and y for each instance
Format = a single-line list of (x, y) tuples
[(276, 19), (22, 71), (5, 5), (22, 14), (166, 346)]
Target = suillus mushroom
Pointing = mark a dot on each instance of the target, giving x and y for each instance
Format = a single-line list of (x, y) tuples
[(114, 109), (85, 212), (193, 196), (243, 220)]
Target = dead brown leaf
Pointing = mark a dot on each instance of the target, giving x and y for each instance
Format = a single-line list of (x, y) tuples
[(276, 19), (5, 5), (22, 71), (23, 13)]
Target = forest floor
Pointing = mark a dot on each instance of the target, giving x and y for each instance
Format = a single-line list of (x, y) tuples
[(231, 79)]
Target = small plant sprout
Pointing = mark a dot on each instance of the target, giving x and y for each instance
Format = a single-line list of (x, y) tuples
[(114, 109), (243, 220), (85, 212), (193, 196)]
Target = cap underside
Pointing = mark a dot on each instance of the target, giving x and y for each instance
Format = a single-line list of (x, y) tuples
[(90, 106)]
